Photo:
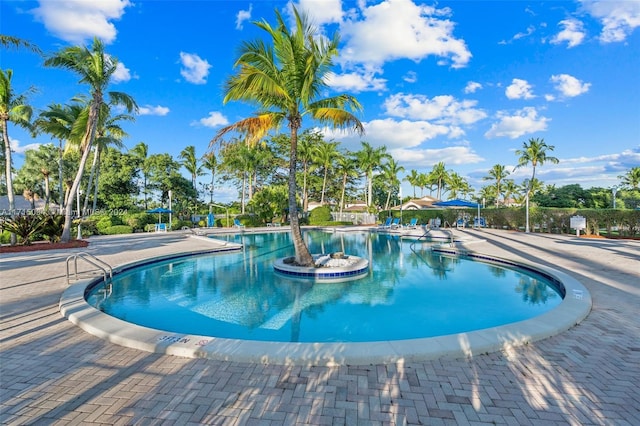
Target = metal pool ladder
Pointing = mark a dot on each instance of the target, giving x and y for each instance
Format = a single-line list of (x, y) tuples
[(100, 265)]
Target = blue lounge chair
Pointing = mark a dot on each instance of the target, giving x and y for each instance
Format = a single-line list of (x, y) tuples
[(396, 223), (237, 224), (412, 223), (161, 227), (386, 224)]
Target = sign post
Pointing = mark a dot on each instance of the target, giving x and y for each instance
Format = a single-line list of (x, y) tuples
[(578, 223)]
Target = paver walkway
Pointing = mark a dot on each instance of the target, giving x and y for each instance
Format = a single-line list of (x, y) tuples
[(52, 372)]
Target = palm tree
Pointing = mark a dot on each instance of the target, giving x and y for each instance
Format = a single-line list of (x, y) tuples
[(39, 162), (370, 159), (509, 188), (497, 173), (210, 162), (324, 154), (287, 79), (457, 184), (390, 171), (346, 167), (422, 182), (58, 122), (535, 153), (631, 179), (414, 179), (191, 163), (12, 109), (108, 133), (95, 67), (140, 153), (10, 41), (439, 176)]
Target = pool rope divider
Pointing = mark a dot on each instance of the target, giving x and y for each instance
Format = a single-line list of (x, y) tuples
[(575, 306)]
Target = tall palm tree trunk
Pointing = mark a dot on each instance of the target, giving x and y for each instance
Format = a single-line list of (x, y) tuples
[(303, 257), (9, 178), (87, 141), (95, 187), (96, 154)]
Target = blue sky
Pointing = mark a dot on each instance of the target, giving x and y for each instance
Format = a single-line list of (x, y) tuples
[(462, 82)]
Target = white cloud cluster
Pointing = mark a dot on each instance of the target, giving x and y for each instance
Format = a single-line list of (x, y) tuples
[(153, 110), (243, 15), (121, 74), (214, 119), (573, 33), (195, 69), (76, 21), (424, 158), (619, 18), (356, 82), (321, 12), (444, 109), (472, 87), (395, 29), (523, 121), (19, 149), (519, 89), (569, 86)]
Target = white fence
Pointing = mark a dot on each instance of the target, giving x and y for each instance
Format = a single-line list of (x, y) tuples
[(355, 218)]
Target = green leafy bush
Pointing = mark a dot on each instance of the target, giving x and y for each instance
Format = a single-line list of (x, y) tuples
[(52, 227), (319, 215), (24, 226), (117, 229)]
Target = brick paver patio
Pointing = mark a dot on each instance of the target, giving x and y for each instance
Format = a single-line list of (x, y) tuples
[(52, 372)]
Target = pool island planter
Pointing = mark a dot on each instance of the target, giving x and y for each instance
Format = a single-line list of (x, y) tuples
[(335, 267)]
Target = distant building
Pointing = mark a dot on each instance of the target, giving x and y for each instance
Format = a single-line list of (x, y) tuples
[(423, 203), (356, 206), (23, 205)]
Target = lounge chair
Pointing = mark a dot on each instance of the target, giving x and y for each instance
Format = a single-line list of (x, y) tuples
[(161, 227), (237, 224), (386, 224), (396, 223), (412, 223)]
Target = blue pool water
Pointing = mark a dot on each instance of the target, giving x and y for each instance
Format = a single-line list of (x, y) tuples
[(409, 292)]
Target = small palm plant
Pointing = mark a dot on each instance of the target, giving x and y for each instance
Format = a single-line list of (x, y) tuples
[(24, 226)]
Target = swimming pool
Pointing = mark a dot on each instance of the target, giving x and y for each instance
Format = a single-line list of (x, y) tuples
[(409, 292)]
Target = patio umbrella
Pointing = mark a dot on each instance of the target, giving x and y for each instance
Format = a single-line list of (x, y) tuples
[(457, 203), (160, 210)]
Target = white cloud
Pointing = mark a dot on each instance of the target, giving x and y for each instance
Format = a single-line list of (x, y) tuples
[(195, 69), (573, 33), (121, 74), (472, 87), (513, 126), (153, 110), (18, 149), (214, 119), (425, 158), (530, 30), (243, 15), (322, 12), (519, 89), (569, 86), (444, 109), (398, 29), (619, 18), (410, 77), (359, 81), (390, 133), (76, 21)]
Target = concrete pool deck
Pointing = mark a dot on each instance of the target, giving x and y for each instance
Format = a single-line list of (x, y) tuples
[(52, 371)]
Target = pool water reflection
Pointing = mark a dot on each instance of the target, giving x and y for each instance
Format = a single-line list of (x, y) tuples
[(409, 292)]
